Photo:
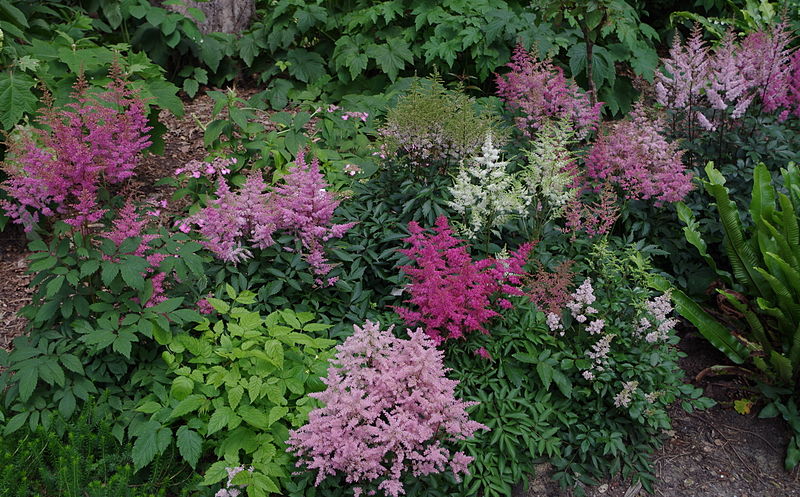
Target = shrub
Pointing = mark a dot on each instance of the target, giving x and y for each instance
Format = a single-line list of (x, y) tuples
[(388, 408), (86, 460), (100, 300), (432, 128), (302, 206)]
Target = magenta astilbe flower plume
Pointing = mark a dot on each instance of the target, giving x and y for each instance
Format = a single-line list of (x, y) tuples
[(449, 291), (388, 410), (540, 91), (635, 156), (93, 141)]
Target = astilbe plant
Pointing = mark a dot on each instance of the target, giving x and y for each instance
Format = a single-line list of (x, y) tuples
[(539, 91), (636, 157), (484, 193), (450, 292), (433, 126), (712, 86), (302, 206), (388, 408), (58, 170), (127, 225)]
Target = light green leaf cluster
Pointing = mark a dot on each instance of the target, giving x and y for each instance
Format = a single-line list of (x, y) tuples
[(548, 175), (485, 194)]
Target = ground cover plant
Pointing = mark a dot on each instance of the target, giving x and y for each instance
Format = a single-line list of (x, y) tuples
[(436, 248)]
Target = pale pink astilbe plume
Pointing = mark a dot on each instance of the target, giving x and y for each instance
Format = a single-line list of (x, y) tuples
[(635, 156), (388, 408), (58, 169), (687, 73), (728, 86), (765, 60), (540, 91), (449, 291), (304, 207)]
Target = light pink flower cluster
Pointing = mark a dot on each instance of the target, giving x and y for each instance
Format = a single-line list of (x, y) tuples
[(540, 91), (301, 206), (388, 410), (451, 292), (726, 80), (219, 166), (623, 398), (636, 156), (92, 142), (230, 489), (659, 327)]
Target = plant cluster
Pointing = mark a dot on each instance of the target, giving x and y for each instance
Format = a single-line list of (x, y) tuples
[(432, 128), (301, 206), (388, 408)]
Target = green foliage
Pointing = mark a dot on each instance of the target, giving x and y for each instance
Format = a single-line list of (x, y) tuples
[(52, 44), (764, 265), (612, 33), (89, 331), (238, 386), (372, 43), (85, 461)]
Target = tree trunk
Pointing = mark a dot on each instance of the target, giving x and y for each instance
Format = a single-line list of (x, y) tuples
[(222, 16)]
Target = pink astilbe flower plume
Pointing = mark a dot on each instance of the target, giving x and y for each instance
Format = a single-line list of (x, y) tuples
[(449, 291), (635, 156), (302, 206), (388, 410), (89, 143), (540, 91)]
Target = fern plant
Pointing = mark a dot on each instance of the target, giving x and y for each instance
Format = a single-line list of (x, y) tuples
[(765, 273)]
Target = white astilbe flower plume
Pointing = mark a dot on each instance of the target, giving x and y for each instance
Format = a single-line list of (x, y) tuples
[(484, 193), (550, 172)]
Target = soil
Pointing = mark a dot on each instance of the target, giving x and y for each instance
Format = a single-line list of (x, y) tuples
[(716, 453)]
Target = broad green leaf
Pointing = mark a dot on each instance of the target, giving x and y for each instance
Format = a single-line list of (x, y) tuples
[(27, 379), (187, 405), (276, 413), (254, 417), (391, 57), (16, 97), (189, 445)]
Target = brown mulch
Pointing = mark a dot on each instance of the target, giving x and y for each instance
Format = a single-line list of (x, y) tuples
[(717, 453)]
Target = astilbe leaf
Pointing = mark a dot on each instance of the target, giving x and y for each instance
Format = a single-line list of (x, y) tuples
[(388, 411)]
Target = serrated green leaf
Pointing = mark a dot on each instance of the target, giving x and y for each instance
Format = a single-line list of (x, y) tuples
[(187, 405), (391, 57), (276, 413), (189, 445), (16, 97)]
